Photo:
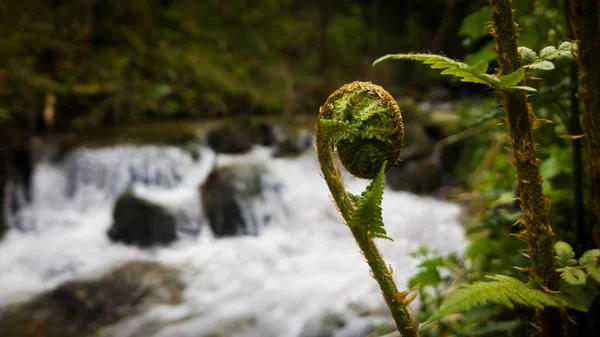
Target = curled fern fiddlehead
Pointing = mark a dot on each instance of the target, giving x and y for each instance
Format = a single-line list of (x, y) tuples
[(363, 123)]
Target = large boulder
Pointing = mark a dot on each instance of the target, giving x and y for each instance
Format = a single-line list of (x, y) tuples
[(239, 137), (141, 222), (81, 308), (229, 198), (294, 144)]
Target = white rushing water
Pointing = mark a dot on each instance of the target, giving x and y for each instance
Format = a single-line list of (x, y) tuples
[(303, 266)]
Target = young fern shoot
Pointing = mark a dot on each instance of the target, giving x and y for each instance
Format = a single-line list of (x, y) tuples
[(364, 124)]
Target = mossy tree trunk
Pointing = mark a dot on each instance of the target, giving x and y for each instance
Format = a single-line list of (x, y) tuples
[(522, 121)]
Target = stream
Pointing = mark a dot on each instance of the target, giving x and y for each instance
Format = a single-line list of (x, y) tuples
[(301, 272)]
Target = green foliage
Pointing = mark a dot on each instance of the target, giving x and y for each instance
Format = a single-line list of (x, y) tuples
[(493, 208), (474, 25), (546, 57), (504, 290), (591, 262), (475, 74), (576, 272), (565, 256), (367, 215)]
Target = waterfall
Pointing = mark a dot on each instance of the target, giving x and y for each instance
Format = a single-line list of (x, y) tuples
[(303, 265)]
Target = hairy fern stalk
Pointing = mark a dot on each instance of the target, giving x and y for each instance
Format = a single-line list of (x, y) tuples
[(362, 123)]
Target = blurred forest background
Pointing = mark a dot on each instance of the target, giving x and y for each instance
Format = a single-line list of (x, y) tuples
[(80, 65), (116, 62)]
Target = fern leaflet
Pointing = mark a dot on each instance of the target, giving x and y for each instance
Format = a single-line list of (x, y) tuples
[(367, 215), (589, 261), (503, 290), (572, 275), (564, 254), (531, 60), (475, 73)]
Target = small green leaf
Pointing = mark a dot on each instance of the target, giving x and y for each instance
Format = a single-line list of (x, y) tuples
[(541, 65), (528, 56), (565, 256), (589, 258), (547, 51), (512, 79), (589, 261), (564, 52), (367, 215), (594, 272), (480, 67), (429, 277), (572, 275)]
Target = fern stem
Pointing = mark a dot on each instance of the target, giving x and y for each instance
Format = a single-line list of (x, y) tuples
[(536, 206), (586, 27), (397, 301)]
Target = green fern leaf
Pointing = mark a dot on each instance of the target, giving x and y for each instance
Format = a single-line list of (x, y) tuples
[(565, 256), (503, 290), (572, 275), (589, 261), (367, 215), (528, 56), (564, 52), (480, 67), (475, 74), (531, 60), (512, 79), (541, 65), (589, 258), (594, 272)]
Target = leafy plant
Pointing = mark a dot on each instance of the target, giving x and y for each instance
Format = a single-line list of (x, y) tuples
[(543, 290), (346, 121)]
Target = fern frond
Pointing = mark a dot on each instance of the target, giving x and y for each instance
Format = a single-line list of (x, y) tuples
[(543, 61), (503, 290), (565, 256), (589, 261), (572, 275), (368, 208), (475, 73), (564, 52)]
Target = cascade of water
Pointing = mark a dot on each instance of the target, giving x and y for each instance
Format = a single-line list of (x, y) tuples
[(305, 264)]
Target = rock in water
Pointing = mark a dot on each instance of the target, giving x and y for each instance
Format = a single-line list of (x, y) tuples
[(81, 308), (294, 145), (226, 199), (240, 136), (141, 222)]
